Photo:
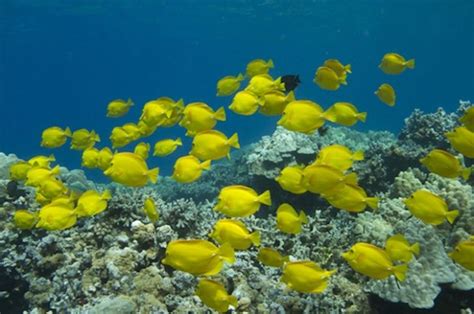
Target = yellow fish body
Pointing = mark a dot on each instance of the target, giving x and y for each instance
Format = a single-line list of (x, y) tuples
[(462, 140), (386, 94), (275, 102), (213, 145), (344, 113), (42, 161), (24, 219), (326, 180), (241, 201), (291, 179), (131, 170), (235, 233), (393, 63), (303, 116), (399, 249), (199, 117), (288, 220), (146, 130), (373, 262), (142, 149), (264, 83), (306, 276), (54, 137), (155, 112), (352, 199), (188, 169), (258, 67), (104, 158), (19, 170), (229, 84), (176, 108), (132, 130), (245, 103), (214, 295), (271, 257), (90, 158), (57, 215), (326, 78), (430, 208), (166, 147), (338, 156), (468, 119), (91, 203), (198, 257), (119, 137), (82, 139), (336, 65), (36, 175), (150, 210), (444, 164), (51, 188), (118, 108), (463, 253)]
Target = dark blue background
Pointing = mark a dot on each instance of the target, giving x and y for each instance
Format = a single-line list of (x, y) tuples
[(61, 63)]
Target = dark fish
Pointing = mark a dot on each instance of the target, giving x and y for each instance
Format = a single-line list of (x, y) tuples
[(322, 130), (291, 82), (14, 191)]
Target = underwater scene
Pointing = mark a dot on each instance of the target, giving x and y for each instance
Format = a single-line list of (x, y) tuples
[(236, 156)]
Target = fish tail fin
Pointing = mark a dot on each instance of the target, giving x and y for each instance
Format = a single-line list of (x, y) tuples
[(168, 112), (358, 155), (56, 170), (400, 271), (220, 114), (372, 202), (411, 64), (240, 77), (130, 102), (68, 132), (348, 68), (265, 198), (303, 218), (286, 259), (466, 173), (95, 137), (255, 238), (362, 116), (153, 174), (51, 158), (232, 300), (415, 248), (226, 251), (179, 103), (290, 97), (178, 141), (270, 64), (342, 80), (206, 165), (234, 141), (106, 195), (351, 178), (451, 216)]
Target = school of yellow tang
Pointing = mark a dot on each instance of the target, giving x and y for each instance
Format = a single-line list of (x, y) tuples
[(328, 176)]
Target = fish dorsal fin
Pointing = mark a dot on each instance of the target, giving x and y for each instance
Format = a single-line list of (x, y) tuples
[(286, 208)]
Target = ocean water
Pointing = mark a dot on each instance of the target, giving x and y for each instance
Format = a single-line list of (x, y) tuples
[(62, 62)]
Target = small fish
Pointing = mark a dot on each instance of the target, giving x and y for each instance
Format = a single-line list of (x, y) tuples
[(288, 220), (430, 208), (468, 119), (36, 175), (228, 85), (214, 295), (120, 138), (90, 157), (336, 65), (19, 170), (131, 170), (14, 191), (91, 203), (198, 117), (57, 215), (213, 145), (146, 130), (344, 113), (24, 219), (291, 179), (42, 161), (386, 94), (291, 82), (258, 67), (175, 108), (104, 158), (393, 63), (236, 233), (353, 199), (142, 149), (304, 116), (118, 108), (338, 156), (264, 83), (188, 169), (271, 257), (150, 210), (54, 137), (275, 102), (373, 262), (462, 140), (198, 257), (155, 113), (240, 201), (82, 139), (305, 276), (166, 147), (327, 79), (326, 180), (399, 249), (245, 103), (463, 253), (51, 188), (444, 164)]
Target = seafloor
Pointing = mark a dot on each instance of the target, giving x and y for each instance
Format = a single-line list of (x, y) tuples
[(111, 263)]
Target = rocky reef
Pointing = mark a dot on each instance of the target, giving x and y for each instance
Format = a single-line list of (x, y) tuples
[(111, 263)]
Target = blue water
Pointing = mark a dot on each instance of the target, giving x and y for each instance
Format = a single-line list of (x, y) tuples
[(62, 63)]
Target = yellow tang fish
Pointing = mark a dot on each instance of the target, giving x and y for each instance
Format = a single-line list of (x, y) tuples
[(373, 262), (119, 137), (468, 119), (51, 188), (271, 257), (91, 203), (303, 116), (305, 276), (275, 102), (336, 65), (82, 139), (36, 175), (90, 157), (176, 107), (198, 257), (291, 179), (399, 249), (54, 137), (214, 295), (288, 220), (150, 210), (463, 253), (462, 140), (131, 170), (142, 149), (258, 66), (188, 169), (264, 83), (344, 113), (245, 103), (24, 219), (133, 131), (213, 145), (57, 215), (42, 161), (229, 84), (104, 158), (326, 180), (155, 112), (144, 129), (326, 78), (393, 63), (199, 117), (118, 108), (430, 208), (19, 170), (352, 199), (241, 201), (444, 164), (166, 147), (236, 233), (386, 94), (338, 156)]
